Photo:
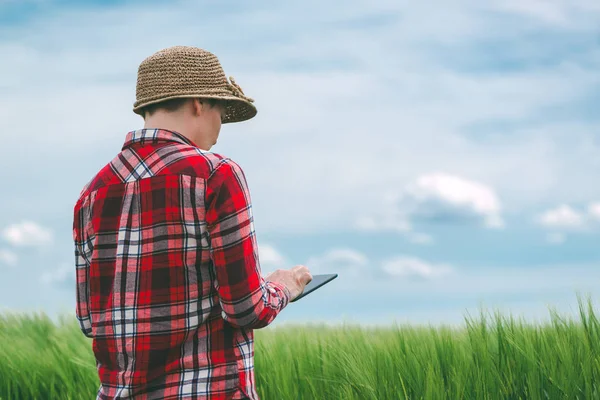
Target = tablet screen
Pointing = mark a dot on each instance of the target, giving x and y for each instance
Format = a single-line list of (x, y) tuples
[(316, 282)]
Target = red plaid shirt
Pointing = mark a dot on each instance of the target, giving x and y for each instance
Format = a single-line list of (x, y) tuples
[(169, 284)]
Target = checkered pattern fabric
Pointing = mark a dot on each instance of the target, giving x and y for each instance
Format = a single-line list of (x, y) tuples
[(169, 284)]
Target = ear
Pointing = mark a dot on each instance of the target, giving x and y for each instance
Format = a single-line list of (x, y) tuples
[(197, 106)]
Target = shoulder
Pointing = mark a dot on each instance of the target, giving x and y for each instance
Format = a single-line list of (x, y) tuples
[(190, 160), (100, 179), (227, 176), (218, 165)]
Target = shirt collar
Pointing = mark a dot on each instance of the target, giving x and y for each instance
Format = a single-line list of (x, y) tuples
[(154, 135)]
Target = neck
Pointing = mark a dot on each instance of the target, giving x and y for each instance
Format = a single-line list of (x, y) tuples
[(176, 125), (169, 124)]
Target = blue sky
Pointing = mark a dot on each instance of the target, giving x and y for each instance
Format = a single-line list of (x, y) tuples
[(441, 158)]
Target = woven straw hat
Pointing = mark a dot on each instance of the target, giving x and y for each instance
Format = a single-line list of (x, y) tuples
[(184, 71)]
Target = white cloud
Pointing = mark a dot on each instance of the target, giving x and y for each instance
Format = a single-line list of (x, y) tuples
[(594, 211), (8, 257), (346, 262), (556, 238), (562, 217), (565, 218), (411, 267), (27, 233), (444, 196), (436, 197)]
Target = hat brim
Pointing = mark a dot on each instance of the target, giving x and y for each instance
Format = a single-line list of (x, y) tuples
[(237, 109)]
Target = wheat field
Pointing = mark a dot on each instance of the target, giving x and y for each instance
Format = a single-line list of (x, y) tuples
[(492, 356)]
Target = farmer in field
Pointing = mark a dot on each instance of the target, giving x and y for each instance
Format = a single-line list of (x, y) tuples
[(169, 283)]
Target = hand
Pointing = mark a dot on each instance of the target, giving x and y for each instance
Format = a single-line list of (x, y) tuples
[(294, 279)]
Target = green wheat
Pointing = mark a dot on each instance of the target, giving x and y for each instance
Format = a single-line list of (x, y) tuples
[(492, 357)]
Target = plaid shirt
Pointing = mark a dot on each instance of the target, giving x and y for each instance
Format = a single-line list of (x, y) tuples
[(169, 284)]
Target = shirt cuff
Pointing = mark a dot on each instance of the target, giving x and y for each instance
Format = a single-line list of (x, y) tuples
[(283, 290)]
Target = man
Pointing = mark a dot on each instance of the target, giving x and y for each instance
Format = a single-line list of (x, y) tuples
[(169, 283)]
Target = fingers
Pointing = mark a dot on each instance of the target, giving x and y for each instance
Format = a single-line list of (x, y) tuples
[(308, 277), (302, 274), (299, 268)]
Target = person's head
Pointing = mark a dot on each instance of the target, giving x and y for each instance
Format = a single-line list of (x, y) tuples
[(199, 119), (185, 89)]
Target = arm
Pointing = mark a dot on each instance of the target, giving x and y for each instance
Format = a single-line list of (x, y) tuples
[(82, 256), (246, 299)]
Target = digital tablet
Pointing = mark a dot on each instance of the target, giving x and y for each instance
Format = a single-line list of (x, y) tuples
[(316, 282)]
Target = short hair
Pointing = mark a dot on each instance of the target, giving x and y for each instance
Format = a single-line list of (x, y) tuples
[(176, 104)]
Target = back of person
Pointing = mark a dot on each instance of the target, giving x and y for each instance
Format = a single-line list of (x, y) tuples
[(169, 284)]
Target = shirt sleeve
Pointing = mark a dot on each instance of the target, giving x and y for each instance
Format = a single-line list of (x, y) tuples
[(82, 266), (246, 299)]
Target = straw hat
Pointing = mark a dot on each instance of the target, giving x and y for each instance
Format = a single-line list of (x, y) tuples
[(184, 71)]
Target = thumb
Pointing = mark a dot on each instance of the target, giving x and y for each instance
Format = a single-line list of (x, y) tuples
[(306, 278)]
